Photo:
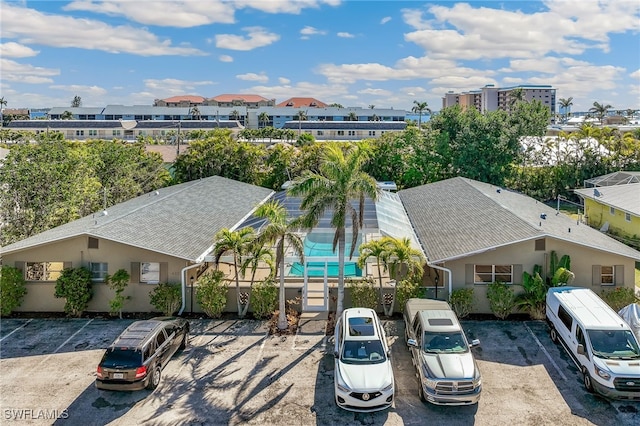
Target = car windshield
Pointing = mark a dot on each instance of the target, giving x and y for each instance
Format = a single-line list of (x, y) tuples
[(363, 352), (614, 344), (453, 342), (121, 358)]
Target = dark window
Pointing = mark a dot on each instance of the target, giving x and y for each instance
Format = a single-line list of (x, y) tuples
[(565, 317), (161, 338), (93, 243), (121, 358)]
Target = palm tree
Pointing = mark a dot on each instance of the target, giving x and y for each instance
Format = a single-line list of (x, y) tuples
[(403, 261), (378, 249), (237, 243), (194, 112), (352, 116), (300, 116), (76, 102), (516, 95), (281, 232), (420, 108), (3, 103), (566, 104), (336, 105), (372, 106), (264, 119), (67, 115), (235, 115), (600, 110), (340, 181), (256, 253)]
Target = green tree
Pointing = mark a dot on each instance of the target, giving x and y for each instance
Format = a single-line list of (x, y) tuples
[(352, 116), (194, 112), (12, 289), (235, 115), (300, 117), (3, 103), (600, 110), (405, 263), (280, 232), (379, 250), (339, 182), (236, 243), (264, 119), (420, 108), (118, 282), (76, 102), (336, 105), (516, 96), (67, 115), (565, 104), (74, 285), (257, 254)]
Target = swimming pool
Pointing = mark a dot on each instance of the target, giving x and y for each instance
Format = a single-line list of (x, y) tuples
[(321, 245)]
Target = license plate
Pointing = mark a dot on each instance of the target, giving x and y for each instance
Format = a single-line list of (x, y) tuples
[(118, 375)]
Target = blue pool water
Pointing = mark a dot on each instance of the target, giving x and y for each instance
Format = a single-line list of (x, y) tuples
[(321, 245)]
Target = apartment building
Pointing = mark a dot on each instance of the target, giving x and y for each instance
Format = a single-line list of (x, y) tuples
[(492, 98)]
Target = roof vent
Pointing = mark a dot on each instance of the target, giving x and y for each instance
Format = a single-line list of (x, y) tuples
[(596, 193), (543, 216)]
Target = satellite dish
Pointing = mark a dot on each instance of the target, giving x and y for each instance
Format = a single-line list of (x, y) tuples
[(128, 124)]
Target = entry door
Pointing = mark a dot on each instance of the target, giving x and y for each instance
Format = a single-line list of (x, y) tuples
[(315, 292)]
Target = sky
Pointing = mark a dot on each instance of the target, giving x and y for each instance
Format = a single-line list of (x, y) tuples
[(355, 53)]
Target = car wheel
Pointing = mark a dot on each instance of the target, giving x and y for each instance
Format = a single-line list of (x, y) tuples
[(154, 381), (586, 379), (185, 340), (554, 335)]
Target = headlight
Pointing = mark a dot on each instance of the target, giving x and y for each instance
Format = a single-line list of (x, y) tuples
[(429, 383), (602, 373), (388, 388), (343, 388), (340, 383)]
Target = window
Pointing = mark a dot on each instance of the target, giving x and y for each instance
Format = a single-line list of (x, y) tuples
[(160, 338), (486, 274), (565, 318), (79, 132), (150, 272), (627, 217), (93, 132), (612, 210), (43, 271), (340, 132), (372, 132), (352, 132), (607, 275), (320, 133), (98, 271), (116, 132)]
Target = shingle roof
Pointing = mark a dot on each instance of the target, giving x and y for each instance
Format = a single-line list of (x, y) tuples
[(179, 220), (346, 125), (188, 98), (117, 124), (622, 197), (245, 98), (302, 102), (459, 217)]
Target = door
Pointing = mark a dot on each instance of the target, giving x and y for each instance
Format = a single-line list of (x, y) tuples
[(315, 291)]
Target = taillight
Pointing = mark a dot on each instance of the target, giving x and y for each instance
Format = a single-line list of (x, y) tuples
[(141, 372), (99, 372)]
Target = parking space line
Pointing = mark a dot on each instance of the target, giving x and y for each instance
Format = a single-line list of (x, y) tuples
[(22, 326), (545, 352), (72, 336)]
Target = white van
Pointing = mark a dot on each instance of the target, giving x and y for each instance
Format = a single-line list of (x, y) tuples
[(600, 343)]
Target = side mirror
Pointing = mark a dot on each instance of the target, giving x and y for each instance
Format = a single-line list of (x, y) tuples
[(581, 349), (388, 354), (336, 355), (474, 343), (412, 342)]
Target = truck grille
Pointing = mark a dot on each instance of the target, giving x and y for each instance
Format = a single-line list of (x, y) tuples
[(629, 384), (455, 387)]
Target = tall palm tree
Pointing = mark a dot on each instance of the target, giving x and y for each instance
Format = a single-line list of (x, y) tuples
[(372, 106), (516, 95), (566, 104), (3, 103), (237, 243), (336, 105), (67, 115), (300, 116), (264, 119), (281, 232), (420, 108), (352, 116), (194, 112), (235, 115), (403, 261), (378, 249), (339, 182), (600, 110), (257, 253)]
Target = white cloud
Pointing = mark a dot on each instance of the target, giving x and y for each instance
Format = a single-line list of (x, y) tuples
[(256, 37), (324, 92), (225, 58), (308, 31), (16, 50), (345, 35), (30, 26), (25, 73), (251, 76), (170, 86), (283, 80), (375, 92), (77, 89), (635, 74), (385, 20), (284, 6)]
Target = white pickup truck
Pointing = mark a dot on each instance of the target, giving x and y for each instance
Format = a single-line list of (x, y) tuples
[(446, 369)]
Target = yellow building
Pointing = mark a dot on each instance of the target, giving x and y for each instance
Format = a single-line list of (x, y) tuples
[(613, 208)]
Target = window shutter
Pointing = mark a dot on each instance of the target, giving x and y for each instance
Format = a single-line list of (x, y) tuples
[(468, 273), (93, 243), (135, 272), (517, 274), (596, 275), (540, 244), (67, 265), (164, 272), (619, 274)]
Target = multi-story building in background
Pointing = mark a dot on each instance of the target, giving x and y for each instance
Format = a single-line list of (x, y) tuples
[(491, 98)]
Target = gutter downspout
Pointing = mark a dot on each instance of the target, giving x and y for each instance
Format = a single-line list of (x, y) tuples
[(449, 274), (184, 285)]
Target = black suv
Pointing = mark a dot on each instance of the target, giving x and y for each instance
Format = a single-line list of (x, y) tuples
[(136, 358)]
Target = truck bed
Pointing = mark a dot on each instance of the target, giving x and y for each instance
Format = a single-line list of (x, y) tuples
[(414, 305)]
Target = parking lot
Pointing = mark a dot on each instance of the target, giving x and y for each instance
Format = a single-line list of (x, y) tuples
[(234, 372)]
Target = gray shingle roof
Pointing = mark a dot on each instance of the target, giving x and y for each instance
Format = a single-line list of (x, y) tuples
[(622, 197), (459, 217), (180, 220), (346, 125), (117, 124)]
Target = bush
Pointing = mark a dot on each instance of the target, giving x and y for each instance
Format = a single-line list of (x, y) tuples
[(75, 286), (501, 299), (405, 290), (363, 293), (211, 293), (619, 297), (118, 282), (264, 299), (166, 298), (461, 301), (12, 289)]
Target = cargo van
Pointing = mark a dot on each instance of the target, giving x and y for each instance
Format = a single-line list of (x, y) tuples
[(598, 340)]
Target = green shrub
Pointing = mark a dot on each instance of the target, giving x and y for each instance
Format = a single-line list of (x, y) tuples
[(211, 293), (74, 284), (406, 290), (118, 282), (166, 298), (264, 299), (501, 299), (619, 297), (12, 289), (534, 298), (363, 293), (461, 301)]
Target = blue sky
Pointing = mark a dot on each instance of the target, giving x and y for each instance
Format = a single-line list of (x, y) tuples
[(356, 53)]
